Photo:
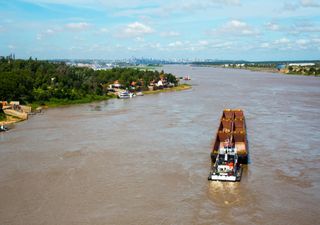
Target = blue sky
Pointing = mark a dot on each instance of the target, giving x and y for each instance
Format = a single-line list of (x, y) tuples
[(193, 29)]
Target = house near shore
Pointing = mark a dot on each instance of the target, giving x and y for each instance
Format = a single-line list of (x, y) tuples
[(115, 85), (162, 83), (15, 109), (159, 83), (301, 64), (14, 103)]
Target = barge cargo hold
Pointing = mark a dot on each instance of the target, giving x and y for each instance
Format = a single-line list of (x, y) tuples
[(230, 149)]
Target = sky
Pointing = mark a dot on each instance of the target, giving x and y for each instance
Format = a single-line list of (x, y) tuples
[(189, 29)]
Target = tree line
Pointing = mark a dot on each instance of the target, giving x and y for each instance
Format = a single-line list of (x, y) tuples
[(32, 80)]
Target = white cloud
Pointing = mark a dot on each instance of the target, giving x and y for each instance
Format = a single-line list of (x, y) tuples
[(176, 44), (223, 45), (139, 39), (300, 27), (265, 45), (39, 37), (134, 3), (132, 49), (236, 27), (49, 31), (282, 41), (236, 24), (282, 44), (77, 26), (302, 43), (316, 40), (292, 6), (11, 47), (203, 43), (170, 34), (194, 5), (272, 26), (46, 33), (166, 7), (103, 30), (285, 44), (310, 3), (198, 45), (156, 46), (135, 29), (289, 6), (304, 28)]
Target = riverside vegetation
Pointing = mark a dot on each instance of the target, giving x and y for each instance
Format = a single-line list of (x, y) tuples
[(37, 82)]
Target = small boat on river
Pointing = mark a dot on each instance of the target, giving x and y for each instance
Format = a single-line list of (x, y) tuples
[(3, 128), (125, 94), (187, 77)]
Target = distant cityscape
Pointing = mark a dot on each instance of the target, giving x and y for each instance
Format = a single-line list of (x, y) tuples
[(98, 64), (101, 64)]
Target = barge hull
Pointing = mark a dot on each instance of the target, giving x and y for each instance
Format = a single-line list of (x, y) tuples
[(232, 126)]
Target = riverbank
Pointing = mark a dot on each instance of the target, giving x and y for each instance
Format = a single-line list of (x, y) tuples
[(282, 71), (261, 69), (89, 99), (53, 103), (180, 87), (10, 120), (291, 70)]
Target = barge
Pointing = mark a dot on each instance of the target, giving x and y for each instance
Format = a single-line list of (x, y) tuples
[(230, 149)]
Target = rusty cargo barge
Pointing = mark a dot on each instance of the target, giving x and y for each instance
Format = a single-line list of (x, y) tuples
[(230, 149)]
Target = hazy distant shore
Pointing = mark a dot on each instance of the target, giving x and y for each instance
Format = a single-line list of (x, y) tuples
[(299, 71)]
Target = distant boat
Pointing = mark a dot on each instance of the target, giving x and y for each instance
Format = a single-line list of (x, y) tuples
[(3, 128), (187, 78), (125, 94)]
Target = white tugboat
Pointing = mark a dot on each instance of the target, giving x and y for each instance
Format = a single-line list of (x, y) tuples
[(226, 166)]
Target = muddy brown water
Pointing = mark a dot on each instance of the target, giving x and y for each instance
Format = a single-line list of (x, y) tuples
[(146, 160)]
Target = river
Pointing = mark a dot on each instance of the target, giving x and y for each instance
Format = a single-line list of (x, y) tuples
[(146, 160)]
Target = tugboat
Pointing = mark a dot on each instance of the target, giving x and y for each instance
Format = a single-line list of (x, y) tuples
[(226, 166), (230, 150)]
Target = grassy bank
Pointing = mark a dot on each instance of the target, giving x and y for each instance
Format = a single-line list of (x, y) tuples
[(261, 69), (180, 87), (9, 120), (54, 102), (146, 68), (6, 119)]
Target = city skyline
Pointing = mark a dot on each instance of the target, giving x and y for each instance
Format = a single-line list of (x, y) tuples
[(210, 29)]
